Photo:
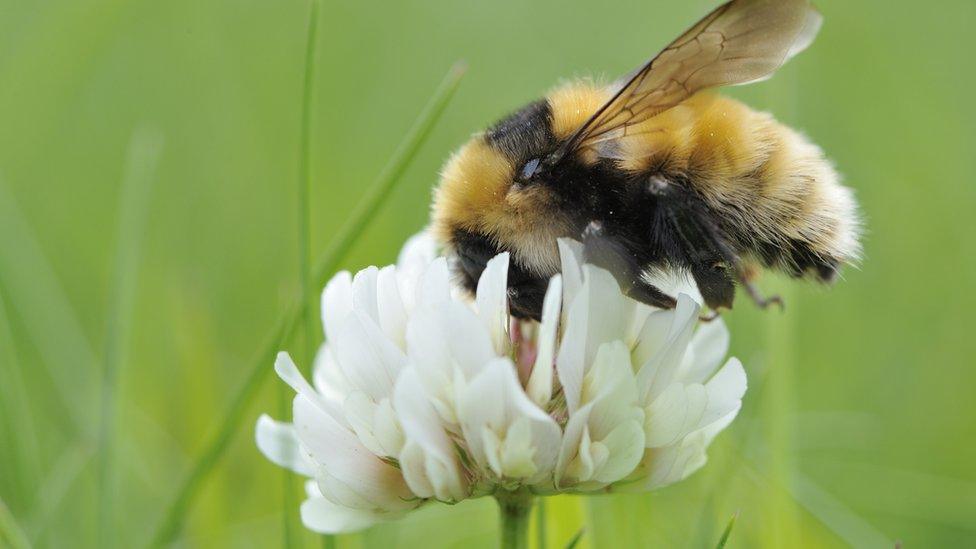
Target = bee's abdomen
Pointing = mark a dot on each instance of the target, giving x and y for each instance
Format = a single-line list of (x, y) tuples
[(777, 197)]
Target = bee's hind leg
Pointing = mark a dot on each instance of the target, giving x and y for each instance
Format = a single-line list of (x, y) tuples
[(761, 301), (715, 264), (714, 283), (745, 275)]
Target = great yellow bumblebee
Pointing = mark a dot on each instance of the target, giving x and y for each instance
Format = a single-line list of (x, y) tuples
[(653, 173)]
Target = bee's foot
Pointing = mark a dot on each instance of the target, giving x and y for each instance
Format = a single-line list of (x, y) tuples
[(710, 316), (764, 303), (759, 300)]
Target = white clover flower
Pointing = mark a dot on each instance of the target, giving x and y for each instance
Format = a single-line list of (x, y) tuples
[(420, 394)]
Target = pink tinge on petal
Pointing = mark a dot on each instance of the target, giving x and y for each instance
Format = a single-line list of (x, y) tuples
[(526, 350)]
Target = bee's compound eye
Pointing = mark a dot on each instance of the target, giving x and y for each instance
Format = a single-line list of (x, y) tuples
[(529, 170)]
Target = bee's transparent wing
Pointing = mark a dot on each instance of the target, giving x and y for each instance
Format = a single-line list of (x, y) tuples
[(742, 41)]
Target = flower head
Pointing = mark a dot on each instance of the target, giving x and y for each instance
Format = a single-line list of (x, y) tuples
[(420, 394)]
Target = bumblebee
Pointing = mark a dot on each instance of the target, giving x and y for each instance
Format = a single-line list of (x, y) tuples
[(656, 173)]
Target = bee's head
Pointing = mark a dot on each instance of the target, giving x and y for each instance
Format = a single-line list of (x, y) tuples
[(480, 211), (484, 206), (498, 192)]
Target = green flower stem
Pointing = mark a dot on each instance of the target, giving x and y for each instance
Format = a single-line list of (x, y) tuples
[(540, 524), (513, 515)]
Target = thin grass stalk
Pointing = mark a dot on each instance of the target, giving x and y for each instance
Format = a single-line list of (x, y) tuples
[(305, 185), (837, 516), (43, 309), (377, 194), (304, 215), (143, 155), (20, 455), (260, 368), (834, 515), (724, 540), (58, 482), (39, 301), (575, 540), (11, 535)]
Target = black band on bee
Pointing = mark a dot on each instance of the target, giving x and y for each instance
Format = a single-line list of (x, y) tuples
[(524, 133)]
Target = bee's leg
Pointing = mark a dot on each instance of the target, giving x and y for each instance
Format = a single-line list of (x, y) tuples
[(525, 298), (742, 276), (650, 295), (715, 284), (761, 301), (715, 265), (602, 250), (710, 316), (716, 280), (745, 274)]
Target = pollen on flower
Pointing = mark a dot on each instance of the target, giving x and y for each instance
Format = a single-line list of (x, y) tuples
[(418, 395)]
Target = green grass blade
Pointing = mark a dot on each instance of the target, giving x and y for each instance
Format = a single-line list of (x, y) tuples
[(143, 155), (836, 516), (19, 456), (261, 368), (304, 215), (59, 481), (305, 186), (576, 539), (43, 309), (10, 533), (380, 191), (727, 532)]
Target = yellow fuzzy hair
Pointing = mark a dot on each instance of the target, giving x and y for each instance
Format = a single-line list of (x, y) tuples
[(474, 196), (763, 176)]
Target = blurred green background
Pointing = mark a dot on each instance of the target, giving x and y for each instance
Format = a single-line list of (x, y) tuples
[(860, 424)]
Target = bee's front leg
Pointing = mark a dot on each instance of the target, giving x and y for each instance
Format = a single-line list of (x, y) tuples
[(605, 251)]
